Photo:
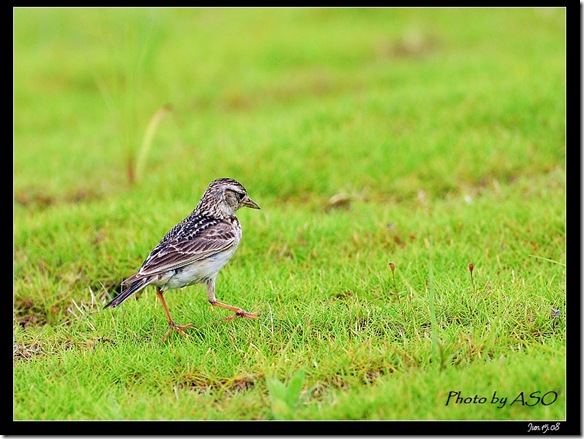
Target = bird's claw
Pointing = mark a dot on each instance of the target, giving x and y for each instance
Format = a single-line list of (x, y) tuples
[(242, 313), (178, 328)]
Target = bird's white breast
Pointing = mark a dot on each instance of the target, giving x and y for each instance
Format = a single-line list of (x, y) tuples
[(200, 271)]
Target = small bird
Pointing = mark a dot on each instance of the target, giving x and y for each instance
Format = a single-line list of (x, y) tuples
[(195, 250)]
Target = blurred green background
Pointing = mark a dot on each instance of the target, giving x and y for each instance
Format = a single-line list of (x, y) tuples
[(291, 101)]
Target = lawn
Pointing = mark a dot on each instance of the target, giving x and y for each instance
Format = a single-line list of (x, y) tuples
[(409, 257)]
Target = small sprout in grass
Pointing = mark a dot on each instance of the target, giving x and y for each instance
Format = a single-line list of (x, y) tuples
[(471, 268), (285, 398), (392, 266), (394, 291)]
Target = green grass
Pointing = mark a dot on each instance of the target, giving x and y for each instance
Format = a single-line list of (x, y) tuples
[(439, 133)]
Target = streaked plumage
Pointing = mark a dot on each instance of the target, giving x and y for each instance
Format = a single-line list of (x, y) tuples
[(195, 250)]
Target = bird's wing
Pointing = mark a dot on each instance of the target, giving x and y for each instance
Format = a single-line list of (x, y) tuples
[(183, 249)]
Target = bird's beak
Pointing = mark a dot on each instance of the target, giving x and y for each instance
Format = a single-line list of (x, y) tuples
[(248, 202)]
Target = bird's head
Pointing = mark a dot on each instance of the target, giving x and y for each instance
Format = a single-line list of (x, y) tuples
[(225, 196)]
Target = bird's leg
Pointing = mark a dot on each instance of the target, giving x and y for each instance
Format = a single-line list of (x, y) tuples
[(238, 311), (171, 323)]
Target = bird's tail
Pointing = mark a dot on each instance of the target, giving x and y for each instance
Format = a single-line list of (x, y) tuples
[(134, 287)]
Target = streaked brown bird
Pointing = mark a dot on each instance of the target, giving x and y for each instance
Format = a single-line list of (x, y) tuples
[(195, 250)]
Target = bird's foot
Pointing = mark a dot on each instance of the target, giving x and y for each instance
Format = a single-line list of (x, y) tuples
[(179, 328), (242, 313)]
